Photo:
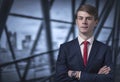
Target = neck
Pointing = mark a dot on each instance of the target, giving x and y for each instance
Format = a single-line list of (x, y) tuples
[(85, 36)]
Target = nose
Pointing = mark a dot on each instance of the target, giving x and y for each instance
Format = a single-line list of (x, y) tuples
[(84, 21)]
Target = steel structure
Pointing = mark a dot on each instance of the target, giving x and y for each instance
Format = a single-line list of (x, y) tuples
[(113, 39)]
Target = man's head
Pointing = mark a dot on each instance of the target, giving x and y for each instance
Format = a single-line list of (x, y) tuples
[(89, 9), (86, 19)]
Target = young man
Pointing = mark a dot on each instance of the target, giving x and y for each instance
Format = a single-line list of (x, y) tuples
[(84, 59)]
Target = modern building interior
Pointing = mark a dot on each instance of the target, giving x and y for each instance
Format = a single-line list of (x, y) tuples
[(31, 32)]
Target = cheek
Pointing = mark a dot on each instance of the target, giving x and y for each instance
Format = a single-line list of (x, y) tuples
[(79, 23), (92, 27), (92, 24)]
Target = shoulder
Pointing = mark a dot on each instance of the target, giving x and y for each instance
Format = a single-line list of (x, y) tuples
[(69, 43), (101, 44)]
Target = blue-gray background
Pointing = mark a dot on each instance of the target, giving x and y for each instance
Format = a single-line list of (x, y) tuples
[(27, 30)]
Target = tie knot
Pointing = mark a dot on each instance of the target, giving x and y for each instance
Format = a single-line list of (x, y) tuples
[(85, 42)]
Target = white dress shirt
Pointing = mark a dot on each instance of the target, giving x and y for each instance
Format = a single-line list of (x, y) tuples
[(81, 40)]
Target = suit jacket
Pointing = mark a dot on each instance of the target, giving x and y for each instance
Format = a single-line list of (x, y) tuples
[(70, 58)]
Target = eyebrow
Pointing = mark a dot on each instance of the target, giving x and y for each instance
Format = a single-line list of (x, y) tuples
[(86, 17)]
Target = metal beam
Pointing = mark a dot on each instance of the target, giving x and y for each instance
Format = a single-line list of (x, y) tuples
[(109, 37), (27, 58), (97, 4), (5, 7), (103, 17), (38, 18), (116, 34), (12, 52), (73, 17), (83, 2), (45, 8), (72, 27), (35, 43), (116, 26)]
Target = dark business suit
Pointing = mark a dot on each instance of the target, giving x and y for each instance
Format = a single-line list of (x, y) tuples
[(70, 58)]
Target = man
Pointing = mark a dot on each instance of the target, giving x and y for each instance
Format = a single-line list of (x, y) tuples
[(84, 59)]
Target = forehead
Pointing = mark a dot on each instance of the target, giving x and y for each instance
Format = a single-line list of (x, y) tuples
[(84, 14)]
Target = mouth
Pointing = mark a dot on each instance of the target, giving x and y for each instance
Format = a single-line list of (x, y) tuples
[(84, 27)]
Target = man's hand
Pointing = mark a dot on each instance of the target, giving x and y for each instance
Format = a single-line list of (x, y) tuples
[(74, 74), (104, 70)]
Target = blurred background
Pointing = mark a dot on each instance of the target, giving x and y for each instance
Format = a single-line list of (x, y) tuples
[(31, 32)]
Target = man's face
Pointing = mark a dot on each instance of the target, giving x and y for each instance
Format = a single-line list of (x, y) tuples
[(86, 22)]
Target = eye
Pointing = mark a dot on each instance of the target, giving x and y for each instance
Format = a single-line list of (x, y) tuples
[(79, 18), (89, 18)]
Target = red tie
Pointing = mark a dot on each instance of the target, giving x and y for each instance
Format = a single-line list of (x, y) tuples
[(85, 52)]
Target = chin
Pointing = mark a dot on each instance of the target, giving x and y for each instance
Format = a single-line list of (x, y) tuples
[(84, 31)]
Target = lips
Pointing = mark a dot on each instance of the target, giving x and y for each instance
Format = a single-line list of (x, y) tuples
[(84, 27)]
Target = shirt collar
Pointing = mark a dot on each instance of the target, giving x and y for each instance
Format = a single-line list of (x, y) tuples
[(81, 40)]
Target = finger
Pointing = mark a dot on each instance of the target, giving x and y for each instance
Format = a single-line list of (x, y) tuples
[(69, 73), (100, 72), (103, 70), (106, 70), (109, 68), (77, 76)]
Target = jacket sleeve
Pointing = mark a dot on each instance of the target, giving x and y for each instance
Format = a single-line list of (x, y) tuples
[(61, 67), (89, 77)]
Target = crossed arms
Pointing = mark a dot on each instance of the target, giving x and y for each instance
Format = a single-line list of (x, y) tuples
[(76, 74), (65, 74)]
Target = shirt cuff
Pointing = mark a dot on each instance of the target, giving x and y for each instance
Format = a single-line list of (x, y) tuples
[(79, 75)]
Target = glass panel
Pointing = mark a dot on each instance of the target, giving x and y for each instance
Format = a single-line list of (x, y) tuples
[(27, 7), (104, 34), (9, 74), (76, 31), (5, 54), (23, 32), (92, 2), (110, 20), (59, 33), (61, 10)]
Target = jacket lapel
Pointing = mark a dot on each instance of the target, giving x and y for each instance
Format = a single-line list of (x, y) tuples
[(93, 52), (78, 52)]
